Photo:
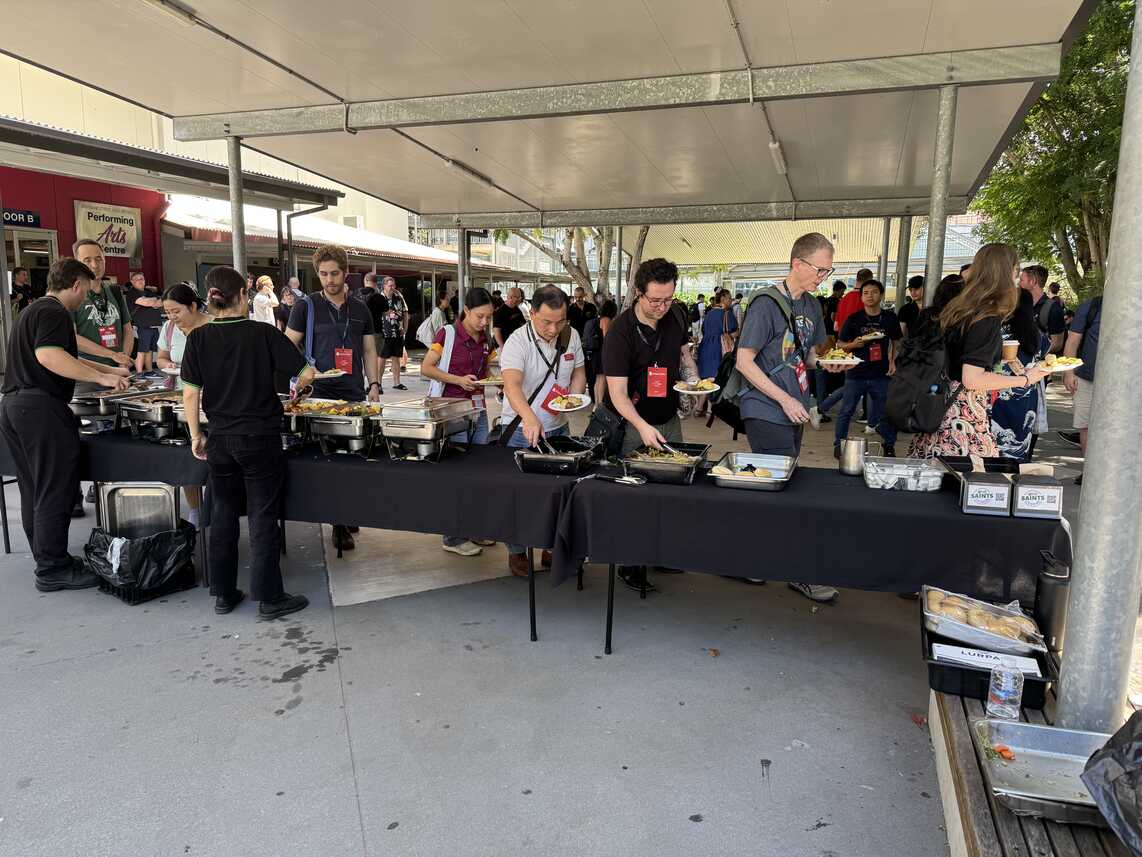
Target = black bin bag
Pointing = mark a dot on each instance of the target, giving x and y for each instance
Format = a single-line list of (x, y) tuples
[(1113, 776), (144, 563)]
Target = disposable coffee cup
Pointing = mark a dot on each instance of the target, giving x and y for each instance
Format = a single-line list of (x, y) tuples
[(1010, 349)]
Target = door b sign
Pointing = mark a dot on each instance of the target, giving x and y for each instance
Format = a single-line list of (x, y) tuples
[(14, 217)]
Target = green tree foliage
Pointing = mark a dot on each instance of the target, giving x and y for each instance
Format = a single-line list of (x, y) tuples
[(1052, 191)]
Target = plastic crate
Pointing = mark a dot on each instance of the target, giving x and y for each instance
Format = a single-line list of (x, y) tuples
[(972, 682), (133, 595)]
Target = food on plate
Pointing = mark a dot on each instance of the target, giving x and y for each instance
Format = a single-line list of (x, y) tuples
[(566, 403), (835, 354), (491, 379), (706, 385), (662, 456)]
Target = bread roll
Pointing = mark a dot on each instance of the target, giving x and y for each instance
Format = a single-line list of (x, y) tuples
[(957, 613), (934, 600)]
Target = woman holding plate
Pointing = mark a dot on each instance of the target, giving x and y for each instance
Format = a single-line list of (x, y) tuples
[(456, 363)]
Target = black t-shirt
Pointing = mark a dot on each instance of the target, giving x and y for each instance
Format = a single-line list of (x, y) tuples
[(239, 402), (281, 313), (829, 311), (577, 315), (508, 319), (909, 315), (875, 353), (630, 348), (333, 328), (44, 324), (379, 305), (981, 344), (143, 316)]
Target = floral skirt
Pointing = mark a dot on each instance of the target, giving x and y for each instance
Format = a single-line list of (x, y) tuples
[(966, 430)]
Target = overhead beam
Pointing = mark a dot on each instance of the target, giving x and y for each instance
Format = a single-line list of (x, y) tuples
[(1027, 63), (732, 213)]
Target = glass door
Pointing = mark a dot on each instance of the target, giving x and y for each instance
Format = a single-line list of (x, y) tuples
[(35, 250)]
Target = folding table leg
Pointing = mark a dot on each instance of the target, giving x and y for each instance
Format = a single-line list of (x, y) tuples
[(610, 606), (531, 592), (4, 514)]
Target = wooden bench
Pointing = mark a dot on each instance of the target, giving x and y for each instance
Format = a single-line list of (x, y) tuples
[(978, 826)]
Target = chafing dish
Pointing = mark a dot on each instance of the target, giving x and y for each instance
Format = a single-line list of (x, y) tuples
[(559, 456), (423, 428), (903, 474), (354, 430), (149, 407), (101, 402), (780, 467), (665, 469)]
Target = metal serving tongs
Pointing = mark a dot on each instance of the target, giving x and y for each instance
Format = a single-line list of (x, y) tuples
[(629, 479), (544, 447)]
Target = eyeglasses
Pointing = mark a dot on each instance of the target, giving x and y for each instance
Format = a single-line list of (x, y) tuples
[(663, 302), (821, 272)]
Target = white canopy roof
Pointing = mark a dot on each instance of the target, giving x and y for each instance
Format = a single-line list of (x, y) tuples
[(614, 133)]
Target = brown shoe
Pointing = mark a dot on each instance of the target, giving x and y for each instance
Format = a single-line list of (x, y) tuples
[(517, 563), (545, 559)]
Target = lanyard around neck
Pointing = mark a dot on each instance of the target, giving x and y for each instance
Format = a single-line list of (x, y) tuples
[(343, 332)]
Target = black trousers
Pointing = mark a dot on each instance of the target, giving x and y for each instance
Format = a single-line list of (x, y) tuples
[(774, 438), (247, 473), (43, 436)]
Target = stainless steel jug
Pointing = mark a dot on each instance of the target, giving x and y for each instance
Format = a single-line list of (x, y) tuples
[(853, 452)]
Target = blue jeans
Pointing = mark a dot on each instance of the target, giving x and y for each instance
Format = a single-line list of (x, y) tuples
[(877, 390), (831, 399), (479, 437), (518, 441)]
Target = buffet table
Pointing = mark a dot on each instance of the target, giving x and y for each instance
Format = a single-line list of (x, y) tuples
[(825, 528)]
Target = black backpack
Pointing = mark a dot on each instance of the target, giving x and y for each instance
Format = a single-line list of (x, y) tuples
[(592, 335), (920, 392)]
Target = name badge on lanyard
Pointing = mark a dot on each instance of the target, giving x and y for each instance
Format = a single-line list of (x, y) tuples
[(656, 382), (802, 376), (109, 336), (874, 353), (343, 360), (343, 356)]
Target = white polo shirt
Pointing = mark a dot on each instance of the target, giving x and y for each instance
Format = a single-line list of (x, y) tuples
[(526, 351)]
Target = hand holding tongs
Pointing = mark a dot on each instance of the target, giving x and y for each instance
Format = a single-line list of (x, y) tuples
[(543, 442)]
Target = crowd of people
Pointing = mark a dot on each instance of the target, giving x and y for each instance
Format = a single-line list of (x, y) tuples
[(85, 330)]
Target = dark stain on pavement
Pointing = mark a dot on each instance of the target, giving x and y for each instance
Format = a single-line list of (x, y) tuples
[(393, 825), (817, 826), (765, 763), (293, 703), (23, 782), (697, 817)]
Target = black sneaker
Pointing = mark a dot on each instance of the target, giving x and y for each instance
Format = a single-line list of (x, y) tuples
[(837, 451), (634, 577), (400, 387), (282, 606), (1071, 437), (225, 603), (825, 418), (76, 577), (77, 511), (889, 451)]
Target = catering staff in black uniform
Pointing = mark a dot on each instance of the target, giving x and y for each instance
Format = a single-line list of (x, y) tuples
[(39, 427), (228, 366)]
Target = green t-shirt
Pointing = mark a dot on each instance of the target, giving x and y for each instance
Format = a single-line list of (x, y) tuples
[(101, 318)]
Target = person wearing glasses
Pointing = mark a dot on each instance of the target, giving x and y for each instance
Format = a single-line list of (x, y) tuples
[(777, 350)]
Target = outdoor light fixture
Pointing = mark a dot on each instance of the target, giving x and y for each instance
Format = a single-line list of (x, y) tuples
[(469, 173), (778, 157), (183, 14)]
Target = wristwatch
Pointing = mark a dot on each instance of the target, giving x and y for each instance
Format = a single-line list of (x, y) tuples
[(376, 384)]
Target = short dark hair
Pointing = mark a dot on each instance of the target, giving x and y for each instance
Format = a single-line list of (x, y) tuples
[(700, 296), (64, 273), (863, 276), (83, 242), (331, 253), (1038, 273), (18, 269), (654, 271), (551, 297), (223, 286), (873, 282), (964, 268), (738, 296), (949, 288), (181, 293), (1054, 288), (916, 282), (839, 286), (609, 309)]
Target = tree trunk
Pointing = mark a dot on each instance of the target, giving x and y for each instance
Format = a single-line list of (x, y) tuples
[(1067, 256), (635, 259), (1090, 226), (604, 245)]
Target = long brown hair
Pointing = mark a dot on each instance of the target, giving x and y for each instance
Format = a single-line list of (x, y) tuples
[(989, 289)]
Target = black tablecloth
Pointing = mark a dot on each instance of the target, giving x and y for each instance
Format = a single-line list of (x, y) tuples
[(480, 494), (824, 528)]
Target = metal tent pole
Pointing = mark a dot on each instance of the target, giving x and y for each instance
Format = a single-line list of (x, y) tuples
[(882, 268), (1107, 577), (463, 265), (903, 249), (237, 218), (941, 179)]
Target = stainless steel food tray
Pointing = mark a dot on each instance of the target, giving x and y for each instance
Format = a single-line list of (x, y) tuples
[(781, 466), (572, 456), (964, 633), (102, 402), (149, 407), (137, 509), (1043, 780), (668, 472), (427, 408), (425, 429), (903, 474), (180, 415), (322, 425)]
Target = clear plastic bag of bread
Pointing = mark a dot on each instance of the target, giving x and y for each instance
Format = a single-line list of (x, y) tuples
[(1008, 621)]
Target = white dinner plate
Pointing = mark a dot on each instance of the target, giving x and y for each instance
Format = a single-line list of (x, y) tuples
[(679, 388), (584, 401)]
